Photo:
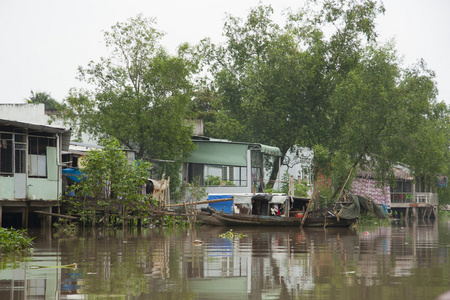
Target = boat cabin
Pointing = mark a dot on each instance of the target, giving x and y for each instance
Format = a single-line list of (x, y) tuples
[(259, 204)]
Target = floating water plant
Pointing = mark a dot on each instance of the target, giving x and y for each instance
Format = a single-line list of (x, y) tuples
[(231, 235), (71, 266)]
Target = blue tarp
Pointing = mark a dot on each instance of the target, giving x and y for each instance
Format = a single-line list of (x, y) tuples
[(73, 174), (226, 206)]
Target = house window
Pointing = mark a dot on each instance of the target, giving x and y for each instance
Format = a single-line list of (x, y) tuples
[(6, 153), (228, 173), (20, 153), (37, 150), (217, 175), (402, 192)]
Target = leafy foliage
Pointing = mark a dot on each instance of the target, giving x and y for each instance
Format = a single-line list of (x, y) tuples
[(385, 118), (274, 84), (141, 94), (65, 228), (12, 240), (300, 188), (212, 180), (45, 98), (108, 175), (172, 221), (324, 81)]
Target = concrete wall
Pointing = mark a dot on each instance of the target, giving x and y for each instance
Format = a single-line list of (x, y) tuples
[(41, 188), (27, 113), (6, 187), (37, 188)]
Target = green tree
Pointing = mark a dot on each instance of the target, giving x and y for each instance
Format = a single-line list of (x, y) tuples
[(141, 95), (204, 106), (139, 82), (45, 98), (385, 116), (323, 81), (274, 83), (109, 175)]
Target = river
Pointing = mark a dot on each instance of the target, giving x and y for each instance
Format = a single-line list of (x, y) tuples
[(401, 261)]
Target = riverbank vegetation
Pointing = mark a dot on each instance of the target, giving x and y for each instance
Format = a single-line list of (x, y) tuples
[(111, 187), (368, 221), (13, 240)]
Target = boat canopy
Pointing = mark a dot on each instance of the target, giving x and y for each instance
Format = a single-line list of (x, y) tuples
[(242, 199), (278, 199)]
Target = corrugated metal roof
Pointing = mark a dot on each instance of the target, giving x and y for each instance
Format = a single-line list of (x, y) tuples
[(66, 133), (271, 150), (400, 173)]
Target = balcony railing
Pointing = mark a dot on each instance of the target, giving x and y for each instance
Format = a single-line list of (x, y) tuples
[(430, 198)]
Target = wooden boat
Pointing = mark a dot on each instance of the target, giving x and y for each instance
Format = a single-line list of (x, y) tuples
[(276, 211), (279, 221)]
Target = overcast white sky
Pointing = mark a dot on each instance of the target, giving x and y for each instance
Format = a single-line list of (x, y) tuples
[(43, 42)]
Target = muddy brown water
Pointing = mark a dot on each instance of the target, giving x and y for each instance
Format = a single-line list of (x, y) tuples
[(402, 261)]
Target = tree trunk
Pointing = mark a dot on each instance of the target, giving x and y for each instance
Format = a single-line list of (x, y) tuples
[(348, 177), (276, 169), (274, 173)]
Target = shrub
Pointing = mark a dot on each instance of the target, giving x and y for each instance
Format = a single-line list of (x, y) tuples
[(12, 240)]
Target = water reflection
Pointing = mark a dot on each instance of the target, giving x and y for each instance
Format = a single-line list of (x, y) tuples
[(406, 261)]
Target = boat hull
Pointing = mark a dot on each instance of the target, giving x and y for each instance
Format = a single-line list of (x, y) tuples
[(277, 221)]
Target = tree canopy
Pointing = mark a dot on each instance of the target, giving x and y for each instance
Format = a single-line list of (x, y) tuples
[(324, 80), (141, 93), (321, 80)]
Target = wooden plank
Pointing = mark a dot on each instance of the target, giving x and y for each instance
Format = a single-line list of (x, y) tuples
[(55, 215)]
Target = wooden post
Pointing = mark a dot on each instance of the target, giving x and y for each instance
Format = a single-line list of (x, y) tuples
[(435, 212), (309, 206), (184, 196), (316, 200), (49, 218), (25, 216), (414, 212), (167, 199), (291, 186)]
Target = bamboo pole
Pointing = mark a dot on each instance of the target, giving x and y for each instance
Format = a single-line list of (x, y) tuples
[(201, 202), (185, 191), (309, 206)]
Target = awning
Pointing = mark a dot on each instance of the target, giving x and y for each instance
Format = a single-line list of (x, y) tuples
[(274, 151), (217, 153)]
